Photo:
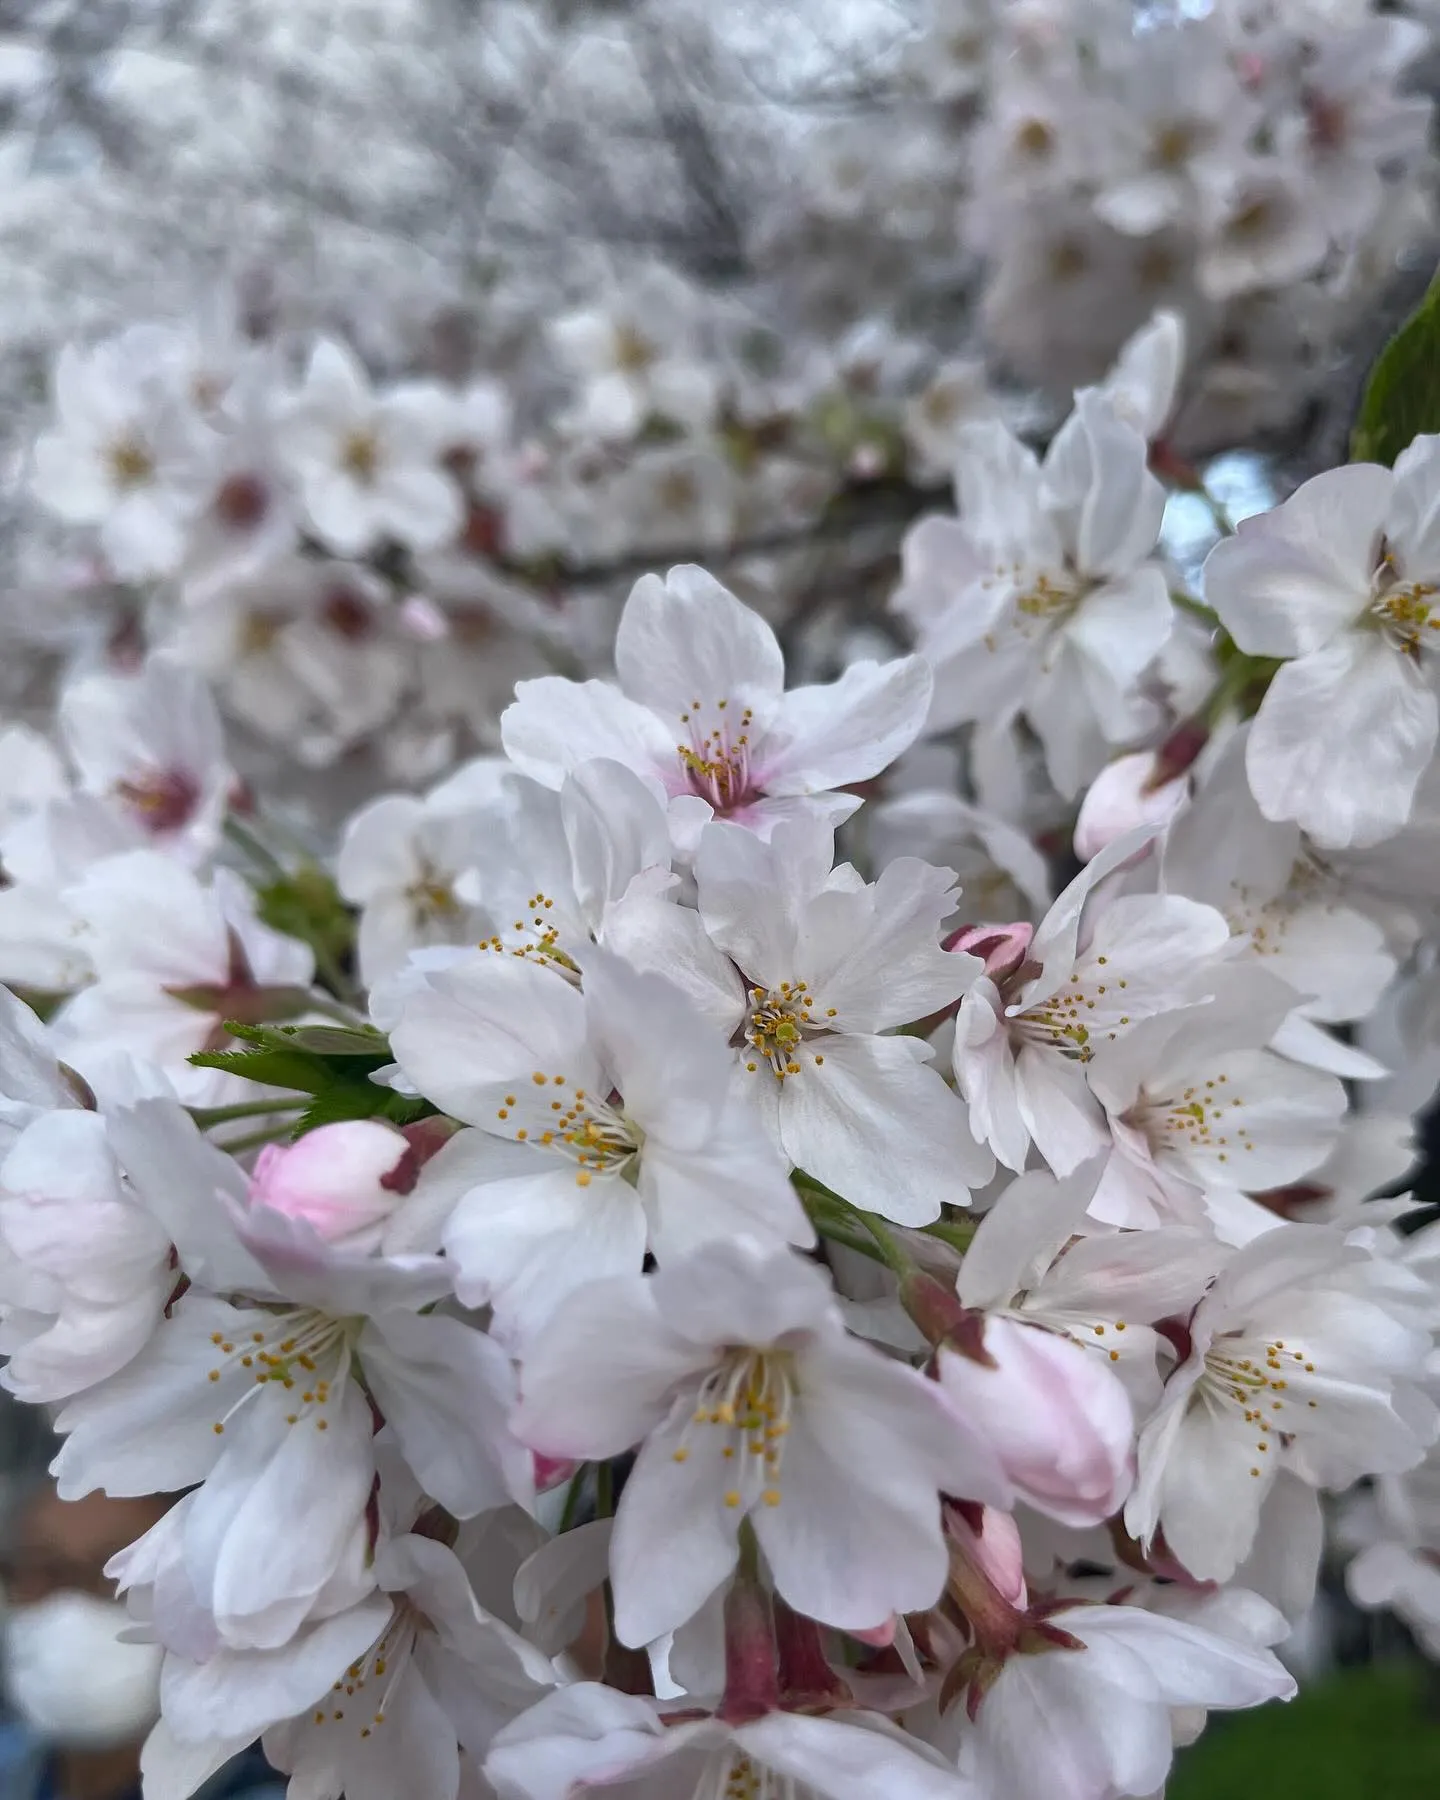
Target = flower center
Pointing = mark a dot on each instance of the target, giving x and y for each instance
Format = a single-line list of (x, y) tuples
[(370, 1682), (536, 938), (734, 1776), (1252, 1375), (1175, 142), (360, 456), (162, 799), (1196, 1119), (431, 897), (242, 502), (591, 1133), (717, 764), (633, 352), (748, 1398), (780, 1020), (1405, 612), (300, 1355), (131, 464), (1086, 1011), (1057, 1025), (1049, 597)]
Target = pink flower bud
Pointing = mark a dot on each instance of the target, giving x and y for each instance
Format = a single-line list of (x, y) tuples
[(987, 1575), (1133, 790), (1000, 947), (995, 1550), (336, 1178), (1055, 1415)]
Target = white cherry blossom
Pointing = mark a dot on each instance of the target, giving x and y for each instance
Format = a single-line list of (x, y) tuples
[(1043, 597), (263, 1391), (589, 1736), (702, 707), (1289, 915), (369, 464), (1129, 1667), (126, 455), (606, 1125), (1302, 1356), (1027, 1032), (386, 1693), (1198, 1107), (85, 1271), (752, 1403), (1338, 580), (174, 959), (404, 861)]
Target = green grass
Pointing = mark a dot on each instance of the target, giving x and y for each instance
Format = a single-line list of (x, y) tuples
[(1368, 1734)]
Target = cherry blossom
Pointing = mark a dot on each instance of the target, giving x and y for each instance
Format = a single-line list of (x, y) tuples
[(702, 707)]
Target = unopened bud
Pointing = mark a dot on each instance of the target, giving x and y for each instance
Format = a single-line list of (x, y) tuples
[(936, 1310), (752, 1684), (1001, 948), (1123, 796), (338, 1178)]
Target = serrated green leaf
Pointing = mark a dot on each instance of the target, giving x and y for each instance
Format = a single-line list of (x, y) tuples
[(339, 1040), (345, 1101), (339, 1104), (276, 1068), (1402, 395)]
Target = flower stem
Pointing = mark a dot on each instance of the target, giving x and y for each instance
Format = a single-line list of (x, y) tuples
[(959, 1234), (573, 1496), (244, 839), (835, 1219), (206, 1116), (253, 1141)]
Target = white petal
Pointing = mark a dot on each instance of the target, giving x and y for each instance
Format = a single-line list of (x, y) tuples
[(554, 725), (526, 1243), (687, 639), (603, 1375), (1341, 740), (446, 1391), (674, 1538), (826, 737), (489, 1021), (245, 1691), (1290, 579), (879, 1128)]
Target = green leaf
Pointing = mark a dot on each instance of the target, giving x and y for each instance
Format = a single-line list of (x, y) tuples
[(339, 1040), (332, 1062), (1402, 396), (345, 1101), (276, 1068)]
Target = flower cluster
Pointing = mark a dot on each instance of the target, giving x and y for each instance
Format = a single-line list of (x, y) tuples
[(365, 513), (680, 1260), (1254, 165)]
